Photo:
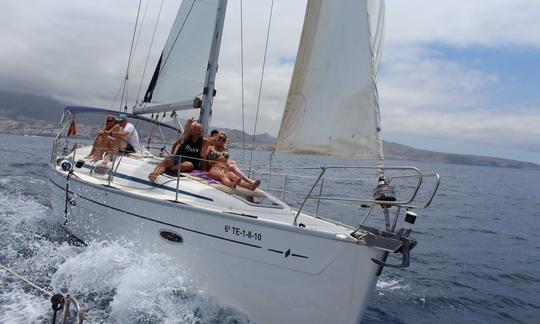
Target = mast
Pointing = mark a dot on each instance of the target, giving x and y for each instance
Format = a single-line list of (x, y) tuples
[(208, 93)]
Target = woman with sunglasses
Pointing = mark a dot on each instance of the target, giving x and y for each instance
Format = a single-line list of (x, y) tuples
[(220, 169), (104, 139)]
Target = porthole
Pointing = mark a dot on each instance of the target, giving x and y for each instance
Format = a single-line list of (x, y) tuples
[(171, 236)]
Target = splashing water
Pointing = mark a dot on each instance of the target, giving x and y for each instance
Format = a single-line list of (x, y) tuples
[(114, 281), (387, 284)]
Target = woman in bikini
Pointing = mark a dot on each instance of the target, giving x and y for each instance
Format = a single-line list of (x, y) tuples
[(104, 139), (220, 169)]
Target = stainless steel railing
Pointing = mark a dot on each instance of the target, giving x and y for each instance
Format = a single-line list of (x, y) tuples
[(407, 203)]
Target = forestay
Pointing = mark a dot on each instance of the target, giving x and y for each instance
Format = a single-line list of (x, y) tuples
[(180, 73), (332, 107)]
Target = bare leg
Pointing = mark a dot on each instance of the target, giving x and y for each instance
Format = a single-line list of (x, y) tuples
[(236, 170), (114, 145), (99, 147), (250, 186), (159, 169), (185, 166), (94, 148), (220, 175)]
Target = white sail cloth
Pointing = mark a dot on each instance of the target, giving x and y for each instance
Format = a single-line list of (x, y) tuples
[(181, 71), (332, 107)]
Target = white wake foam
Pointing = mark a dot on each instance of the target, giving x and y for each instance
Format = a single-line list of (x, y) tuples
[(115, 281)]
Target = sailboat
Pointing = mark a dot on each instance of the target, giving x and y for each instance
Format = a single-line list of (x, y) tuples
[(249, 249)]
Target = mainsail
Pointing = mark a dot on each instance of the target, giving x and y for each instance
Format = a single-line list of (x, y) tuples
[(333, 107), (180, 73)]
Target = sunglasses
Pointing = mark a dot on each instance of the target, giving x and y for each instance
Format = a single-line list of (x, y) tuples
[(110, 120), (221, 138)]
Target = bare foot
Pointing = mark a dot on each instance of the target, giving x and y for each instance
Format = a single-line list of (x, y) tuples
[(152, 177), (255, 184)]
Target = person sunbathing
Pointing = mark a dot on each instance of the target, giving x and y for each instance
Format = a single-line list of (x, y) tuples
[(104, 139), (220, 169)]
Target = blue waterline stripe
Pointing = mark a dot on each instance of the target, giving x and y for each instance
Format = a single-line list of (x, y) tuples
[(146, 182), (156, 221)]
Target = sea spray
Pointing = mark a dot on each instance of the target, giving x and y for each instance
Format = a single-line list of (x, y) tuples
[(128, 285), (115, 281)]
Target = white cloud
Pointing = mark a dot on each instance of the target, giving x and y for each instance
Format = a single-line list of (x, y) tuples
[(77, 51), (417, 77), (431, 98), (481, 126), (464, 22), (426, 96)]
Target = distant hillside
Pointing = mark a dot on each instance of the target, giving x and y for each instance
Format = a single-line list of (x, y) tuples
[(402, 152), (39, 115), (235, 136), (16, 105)]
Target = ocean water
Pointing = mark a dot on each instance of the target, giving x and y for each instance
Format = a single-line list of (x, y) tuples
[(477, 260)]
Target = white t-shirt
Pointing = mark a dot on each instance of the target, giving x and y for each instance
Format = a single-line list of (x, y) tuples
[(133, 137)]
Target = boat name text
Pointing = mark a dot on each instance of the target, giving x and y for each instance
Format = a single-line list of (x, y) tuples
[(237, 231)]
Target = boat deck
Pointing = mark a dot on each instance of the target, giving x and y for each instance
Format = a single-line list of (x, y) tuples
[(130, 175)]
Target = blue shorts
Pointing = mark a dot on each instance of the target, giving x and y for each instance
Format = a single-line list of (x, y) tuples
[(175, 159)]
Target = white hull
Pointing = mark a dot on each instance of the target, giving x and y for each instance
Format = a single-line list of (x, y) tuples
[(271, 271)]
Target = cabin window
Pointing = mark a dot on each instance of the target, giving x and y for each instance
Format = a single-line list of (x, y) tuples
[(259, 201)]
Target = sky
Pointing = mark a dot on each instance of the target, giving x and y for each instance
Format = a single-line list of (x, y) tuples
[(456, 76)]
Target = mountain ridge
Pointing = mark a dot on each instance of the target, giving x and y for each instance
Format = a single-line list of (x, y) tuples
[(30, 114)]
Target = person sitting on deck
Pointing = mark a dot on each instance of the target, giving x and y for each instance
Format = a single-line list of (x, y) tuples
[(128, 136), (124, 138), (186, 152), (220, 169), (104, 140)]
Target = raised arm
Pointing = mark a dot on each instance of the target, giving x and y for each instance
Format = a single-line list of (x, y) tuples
[(205, 149), (187, 129), (207, 143)]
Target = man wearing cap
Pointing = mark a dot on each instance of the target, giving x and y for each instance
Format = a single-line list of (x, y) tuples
[(128, 136)]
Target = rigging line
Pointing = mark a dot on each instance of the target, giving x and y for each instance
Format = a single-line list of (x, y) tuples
[(139, 35), (123, 93), (46, 292), (149, 50), (50, 294), (141, 27), (117, 94), (261, 83), (242, 77), (129, 58)]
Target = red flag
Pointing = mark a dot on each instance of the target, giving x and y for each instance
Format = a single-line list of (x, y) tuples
[(72, 131)]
